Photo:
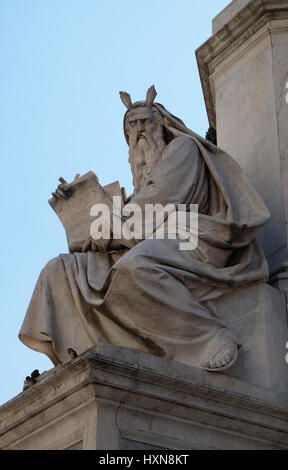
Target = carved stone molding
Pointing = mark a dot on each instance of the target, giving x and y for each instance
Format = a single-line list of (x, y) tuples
[(233, 33)]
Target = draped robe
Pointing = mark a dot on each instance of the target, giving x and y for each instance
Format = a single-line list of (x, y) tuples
[(155, 297)]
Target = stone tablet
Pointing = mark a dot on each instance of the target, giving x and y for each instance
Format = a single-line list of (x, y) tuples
[(74, 212)]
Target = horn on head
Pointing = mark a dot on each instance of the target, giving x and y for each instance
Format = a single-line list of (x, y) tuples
[(150, 96), (126, 99)]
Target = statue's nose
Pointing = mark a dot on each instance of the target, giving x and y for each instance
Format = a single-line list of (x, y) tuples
[(140, 125)]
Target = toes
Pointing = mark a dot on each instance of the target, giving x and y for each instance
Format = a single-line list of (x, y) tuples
[(209, 365), (228, 358), (222, 359), (215, 364), (224, 362), (206, 365), (219, 363)]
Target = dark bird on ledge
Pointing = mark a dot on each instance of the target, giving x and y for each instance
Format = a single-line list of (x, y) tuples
[(35, 374), (211, 135), (73, 354), (27, 383)]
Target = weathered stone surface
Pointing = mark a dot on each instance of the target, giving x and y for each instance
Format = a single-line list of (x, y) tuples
[(257, 315), (221, 20), (115, 398), (244, 73)]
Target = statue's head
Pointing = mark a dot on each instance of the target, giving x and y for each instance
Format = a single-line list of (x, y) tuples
[(143, 128), (142, 119), (148, 129)]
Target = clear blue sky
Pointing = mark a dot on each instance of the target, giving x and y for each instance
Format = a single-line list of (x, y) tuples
[(63, 63)]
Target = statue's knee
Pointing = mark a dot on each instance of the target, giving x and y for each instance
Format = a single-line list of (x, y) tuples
[(129, 264)]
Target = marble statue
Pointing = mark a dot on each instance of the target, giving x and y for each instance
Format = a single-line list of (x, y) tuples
[(147, 294)]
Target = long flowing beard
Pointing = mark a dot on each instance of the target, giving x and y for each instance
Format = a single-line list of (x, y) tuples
[(143, 156)]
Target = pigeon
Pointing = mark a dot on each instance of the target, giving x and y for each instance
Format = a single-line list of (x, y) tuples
[(73, 354), (31, 380), (27, 383), (35, 374), (211, 135)]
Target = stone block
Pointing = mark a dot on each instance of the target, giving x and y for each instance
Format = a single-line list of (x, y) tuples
[(257, 316), (114, 398)]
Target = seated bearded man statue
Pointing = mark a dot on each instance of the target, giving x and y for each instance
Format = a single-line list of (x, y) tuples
[(148, 294)]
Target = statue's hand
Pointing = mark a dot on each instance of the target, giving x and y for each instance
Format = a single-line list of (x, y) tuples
[(63, 191)]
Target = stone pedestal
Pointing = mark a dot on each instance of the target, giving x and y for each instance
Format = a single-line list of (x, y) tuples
[(244, 74), (115, 398), (257, 315)]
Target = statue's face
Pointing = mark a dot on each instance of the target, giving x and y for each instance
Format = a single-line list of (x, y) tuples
[(144, 129), (141, 123)]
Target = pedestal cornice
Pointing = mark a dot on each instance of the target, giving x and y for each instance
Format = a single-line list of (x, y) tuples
[(237, 31), (121, 379)]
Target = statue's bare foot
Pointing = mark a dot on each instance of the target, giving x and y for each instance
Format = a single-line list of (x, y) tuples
[(222, 360)]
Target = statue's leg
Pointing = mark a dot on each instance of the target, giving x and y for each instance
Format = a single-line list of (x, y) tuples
[(155, 294), (58, 317), (149, 300)]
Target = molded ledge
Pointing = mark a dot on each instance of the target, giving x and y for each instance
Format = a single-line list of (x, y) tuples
[(235, 25), (115, 398)]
